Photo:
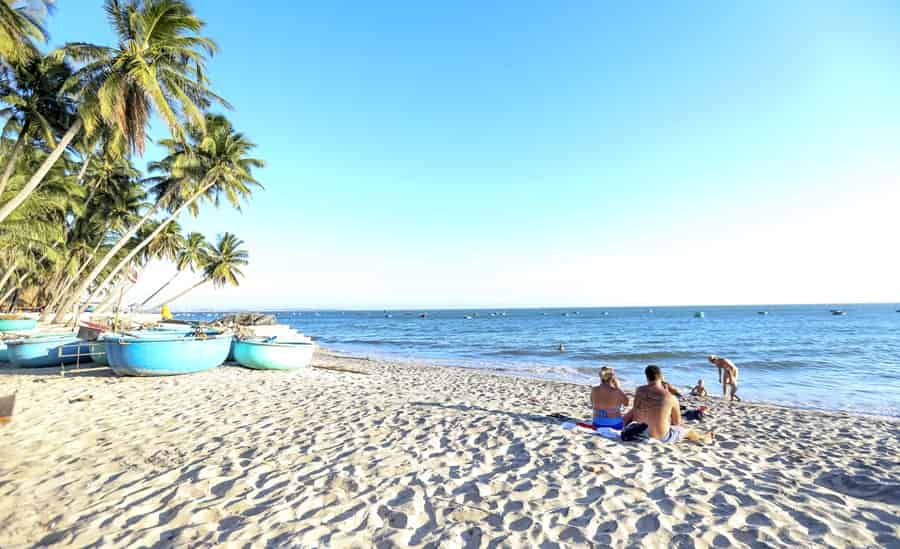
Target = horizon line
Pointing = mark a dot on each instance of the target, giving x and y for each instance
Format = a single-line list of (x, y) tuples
[(522, 307)]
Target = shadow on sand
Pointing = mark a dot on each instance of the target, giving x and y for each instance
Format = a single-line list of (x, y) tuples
[(543, 418), (88, 369)]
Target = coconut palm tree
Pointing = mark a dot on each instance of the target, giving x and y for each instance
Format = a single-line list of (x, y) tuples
[(104, 171), (157, 66), (36, 230), (221, 266), (165, 245), (190, 257), (21, 24), (35, 106), (215, 162), (113, 211)]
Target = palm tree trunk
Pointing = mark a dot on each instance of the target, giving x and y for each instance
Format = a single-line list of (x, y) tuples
[(62, 292), (83, 170), (36, 179), (160, 304), (161, 288), (150, 238), (117, 292), (13, 156), (98, 268), (8, 274), (13, 288), (7, 294), (58, 293)]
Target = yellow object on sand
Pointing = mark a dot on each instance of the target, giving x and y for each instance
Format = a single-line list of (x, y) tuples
[(166, 313)]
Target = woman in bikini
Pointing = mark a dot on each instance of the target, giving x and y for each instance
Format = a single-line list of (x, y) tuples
[(608, 400)]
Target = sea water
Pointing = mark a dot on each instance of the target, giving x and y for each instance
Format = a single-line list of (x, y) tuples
[(801, 355)]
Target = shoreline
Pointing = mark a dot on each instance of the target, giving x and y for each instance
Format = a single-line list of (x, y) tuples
[(355, 452), (440, 363)]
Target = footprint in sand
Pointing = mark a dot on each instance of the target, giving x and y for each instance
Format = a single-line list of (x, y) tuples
[(521, 524), (861, 486), (759, 519), (682, 541), (647, 524)]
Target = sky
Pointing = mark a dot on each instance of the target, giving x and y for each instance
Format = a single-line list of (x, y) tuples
[(528, 153)]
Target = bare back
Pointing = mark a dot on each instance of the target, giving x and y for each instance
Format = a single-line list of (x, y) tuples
[(657, 408), (608, 399)]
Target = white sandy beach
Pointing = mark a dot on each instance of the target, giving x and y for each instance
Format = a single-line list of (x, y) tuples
[(392, 454)]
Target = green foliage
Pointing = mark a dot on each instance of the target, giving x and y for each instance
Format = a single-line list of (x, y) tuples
[(223, 260), (92, 210)]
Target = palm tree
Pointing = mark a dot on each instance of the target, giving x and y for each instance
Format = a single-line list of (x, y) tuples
[(36, 230), (165, 246), (221, 266), (103, 169), (20, 26), (158, 66), (190, 256), (215, 162), (113, 211), (35, 105)]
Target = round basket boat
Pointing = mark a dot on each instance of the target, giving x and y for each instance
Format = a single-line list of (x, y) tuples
[(17, 324), (166, 355)]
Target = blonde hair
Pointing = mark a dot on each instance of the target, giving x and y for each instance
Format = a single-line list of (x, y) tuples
[(606, 373)]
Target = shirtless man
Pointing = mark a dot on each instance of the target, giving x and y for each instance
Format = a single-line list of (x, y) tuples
[(728, 375), (658, 409), (608, 400)]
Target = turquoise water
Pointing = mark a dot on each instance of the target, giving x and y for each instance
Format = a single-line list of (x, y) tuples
[(796, 354)]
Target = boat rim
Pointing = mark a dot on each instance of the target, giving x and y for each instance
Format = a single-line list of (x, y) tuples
[(130, 339), (44, 339), (273, 343)]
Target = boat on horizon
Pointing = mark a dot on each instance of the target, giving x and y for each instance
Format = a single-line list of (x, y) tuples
[(270, 354), (838, 312), (166, 354), (763, 313), (699, 314)]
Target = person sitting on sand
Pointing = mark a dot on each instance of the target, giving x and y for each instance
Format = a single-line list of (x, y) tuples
[(657, 411), (728, 375), (608, 400), (699, 390)]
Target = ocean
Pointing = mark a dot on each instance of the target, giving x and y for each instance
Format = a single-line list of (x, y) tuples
[(800, 355)]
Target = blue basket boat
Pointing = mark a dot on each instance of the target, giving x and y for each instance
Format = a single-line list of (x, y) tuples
[(47, 350), (17, 324), (166, 355), (265, 354)]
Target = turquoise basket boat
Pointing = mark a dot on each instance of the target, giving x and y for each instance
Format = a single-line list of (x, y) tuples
[(261, 354), (162, 355), (45, 351), (17, 325)]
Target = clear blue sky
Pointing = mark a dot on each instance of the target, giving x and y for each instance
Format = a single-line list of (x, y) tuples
[(514, 153)]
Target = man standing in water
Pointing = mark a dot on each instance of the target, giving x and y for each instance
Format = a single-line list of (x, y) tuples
[(728, 375), (656, 413)]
